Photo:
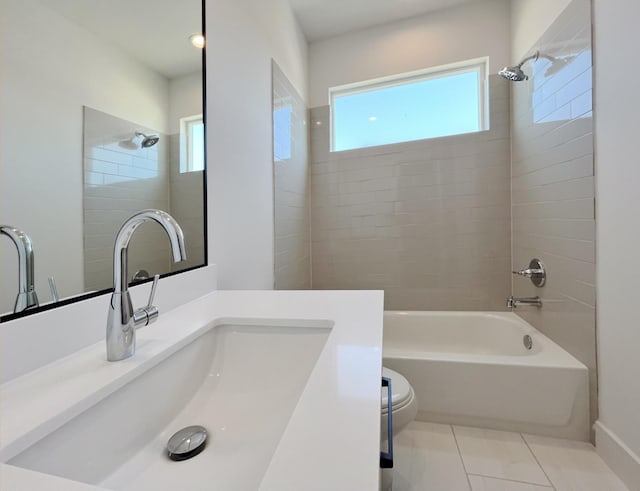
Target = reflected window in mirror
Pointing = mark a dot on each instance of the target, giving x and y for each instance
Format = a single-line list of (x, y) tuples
[(192, 143)]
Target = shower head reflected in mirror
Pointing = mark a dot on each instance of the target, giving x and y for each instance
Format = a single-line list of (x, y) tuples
[(557, 64), (139, 140), (147, 140)]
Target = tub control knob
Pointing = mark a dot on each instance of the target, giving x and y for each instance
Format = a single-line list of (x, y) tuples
[(536, 272)]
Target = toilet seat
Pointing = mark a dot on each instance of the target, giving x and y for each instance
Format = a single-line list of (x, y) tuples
[(402, 392)]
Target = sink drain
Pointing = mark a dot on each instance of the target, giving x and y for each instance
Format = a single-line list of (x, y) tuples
[(187, 443)]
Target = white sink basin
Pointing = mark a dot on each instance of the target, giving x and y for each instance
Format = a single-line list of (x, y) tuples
[(241, 383), (286, 383)]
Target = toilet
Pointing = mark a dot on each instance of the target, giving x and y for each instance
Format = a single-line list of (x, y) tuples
[(404, 407)]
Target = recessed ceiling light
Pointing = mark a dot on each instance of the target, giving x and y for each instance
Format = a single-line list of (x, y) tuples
[(197, 40), (373, 118)]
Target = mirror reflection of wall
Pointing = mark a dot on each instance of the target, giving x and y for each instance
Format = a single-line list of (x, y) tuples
[(128, 168), (128, 58)]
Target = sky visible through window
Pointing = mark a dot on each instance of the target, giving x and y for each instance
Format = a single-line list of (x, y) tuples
[(197, 146), (429, 108)]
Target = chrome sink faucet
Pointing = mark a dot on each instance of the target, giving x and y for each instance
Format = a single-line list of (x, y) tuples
[(27, 297), (123, 321)]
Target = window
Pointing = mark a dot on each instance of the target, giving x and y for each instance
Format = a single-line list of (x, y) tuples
[(442, 101), (191, 144)]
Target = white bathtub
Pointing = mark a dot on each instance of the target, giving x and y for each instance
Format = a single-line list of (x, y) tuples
[(472, 368)]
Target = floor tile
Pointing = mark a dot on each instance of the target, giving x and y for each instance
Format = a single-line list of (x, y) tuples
[(499, 454), (426, 457), (482, 483), (573, 466)]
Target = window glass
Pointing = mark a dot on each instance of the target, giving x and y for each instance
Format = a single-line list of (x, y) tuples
[(432, 104)]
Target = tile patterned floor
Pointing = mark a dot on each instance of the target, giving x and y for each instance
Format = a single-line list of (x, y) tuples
[(436, 457)]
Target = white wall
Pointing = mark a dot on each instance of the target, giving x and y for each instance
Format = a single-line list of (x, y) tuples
[(617, 104), (460, 33), (185, 99), (242, 37), (50, 69), (529, 19)]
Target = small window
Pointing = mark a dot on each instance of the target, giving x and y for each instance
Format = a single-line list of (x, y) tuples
[(192, 144), (442, 101)]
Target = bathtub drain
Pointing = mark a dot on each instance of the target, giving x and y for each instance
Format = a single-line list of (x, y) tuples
[(527, 341)]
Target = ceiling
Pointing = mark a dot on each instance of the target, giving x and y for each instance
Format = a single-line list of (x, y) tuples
[(321, 19), (155, 32)]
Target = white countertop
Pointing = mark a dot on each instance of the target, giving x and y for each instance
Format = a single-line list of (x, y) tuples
[(332, 439)]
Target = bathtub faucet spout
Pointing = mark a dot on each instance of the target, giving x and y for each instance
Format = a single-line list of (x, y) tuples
[(514, 302)]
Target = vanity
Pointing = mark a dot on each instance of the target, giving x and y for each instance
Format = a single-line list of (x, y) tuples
[(286, 383)]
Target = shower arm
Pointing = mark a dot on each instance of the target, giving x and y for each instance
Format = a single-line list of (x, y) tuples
[(533, 57)]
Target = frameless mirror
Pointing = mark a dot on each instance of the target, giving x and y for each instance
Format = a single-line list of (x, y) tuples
[(102, 109)]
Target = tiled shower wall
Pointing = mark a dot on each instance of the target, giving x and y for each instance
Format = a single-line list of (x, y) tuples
[(553, 186), (121, 179), (427, 221), (291, 186)]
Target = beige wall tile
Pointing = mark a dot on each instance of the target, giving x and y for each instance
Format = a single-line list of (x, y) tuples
[(553, 190), (424, 220), (292, 237), (124, 172)]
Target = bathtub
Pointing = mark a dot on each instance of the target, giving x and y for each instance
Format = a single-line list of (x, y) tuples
[(473, 368)]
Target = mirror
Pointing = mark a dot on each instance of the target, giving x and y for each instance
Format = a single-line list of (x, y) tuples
[(102, 109)]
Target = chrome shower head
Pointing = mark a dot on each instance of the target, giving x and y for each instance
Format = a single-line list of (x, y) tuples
[(515, 73), (148, 141)]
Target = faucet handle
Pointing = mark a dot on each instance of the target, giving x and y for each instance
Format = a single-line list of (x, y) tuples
[(156, 278), (535, 272), (148, 314), (54, 290)]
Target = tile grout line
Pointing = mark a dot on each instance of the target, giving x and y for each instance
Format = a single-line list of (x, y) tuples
[(513, 480), (464, 467), (537, 461)]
